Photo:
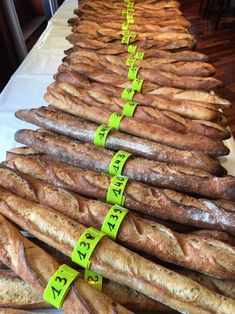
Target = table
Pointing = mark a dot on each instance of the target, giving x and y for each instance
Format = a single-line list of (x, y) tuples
[(28, 84)]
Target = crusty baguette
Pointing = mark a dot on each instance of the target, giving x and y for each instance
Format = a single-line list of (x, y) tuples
[(208, 256), (188, 108), (83, 130), (112, 260), (15, 293), (186, 68), (36, 267), (184, 55), (16, 311), (162, 203), (149, 114), (158, 174), (133, 126)]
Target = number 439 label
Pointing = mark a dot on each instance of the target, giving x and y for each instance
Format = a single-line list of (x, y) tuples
[(113, 220), (59, 285)]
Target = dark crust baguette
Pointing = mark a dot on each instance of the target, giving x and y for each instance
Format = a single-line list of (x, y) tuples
[(84, 130), (158, 174), (133, 126), (36, 267), (166, 119), (162, 203), (206, 255), (189, 109), (112, 260)]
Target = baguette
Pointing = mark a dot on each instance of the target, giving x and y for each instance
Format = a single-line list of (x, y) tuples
[(158, 174), (180, 68), (162, 41), (14, 292), (184, 108), (162, 203), (156, 133), (16, 311), (28, 261), (166, 119), (188, 250), (83, 130), (113, 261), (184, 55)]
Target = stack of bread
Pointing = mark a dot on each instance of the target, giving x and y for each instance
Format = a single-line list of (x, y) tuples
[(174, 249)]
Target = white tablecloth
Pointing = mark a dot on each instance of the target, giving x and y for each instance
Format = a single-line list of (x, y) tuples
[(28, 84)]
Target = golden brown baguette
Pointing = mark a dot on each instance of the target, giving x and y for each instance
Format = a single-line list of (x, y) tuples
[(186, 108), (112, 260), (151, 131), (188, 250), (83, 130), (154, 173), (16, 311), (167, 119), (163, 203), (36, 267), (15, 293)]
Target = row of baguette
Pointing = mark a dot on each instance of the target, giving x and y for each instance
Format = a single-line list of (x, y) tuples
[(181, 139)]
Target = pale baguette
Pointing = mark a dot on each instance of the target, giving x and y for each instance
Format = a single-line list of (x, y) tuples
[(112, 260), (36, 267), (188, 250)]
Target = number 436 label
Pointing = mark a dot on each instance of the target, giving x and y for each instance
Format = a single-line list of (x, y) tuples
[(59, 285)]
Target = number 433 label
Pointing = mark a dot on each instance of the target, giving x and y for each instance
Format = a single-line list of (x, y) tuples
[(59, 285)]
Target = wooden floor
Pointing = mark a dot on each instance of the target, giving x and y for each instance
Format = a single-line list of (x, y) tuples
[(219, 45)]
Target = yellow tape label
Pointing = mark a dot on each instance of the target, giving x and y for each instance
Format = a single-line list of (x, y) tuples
[(132, 48), (118, 161), (116, 190), (101, 135), (137, 85), (93, 279), (129, 109), (128, 94), (85, 246), (125, 26), (115, 120), (126, 39), (133, 72), (130, 61), (59, 285), (113, 220), (140, 55)]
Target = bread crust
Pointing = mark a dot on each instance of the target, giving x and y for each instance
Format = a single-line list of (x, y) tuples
[(83, 130), (163, 203), (127, 267), (154, 173), (206, 255), (28, 261)]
